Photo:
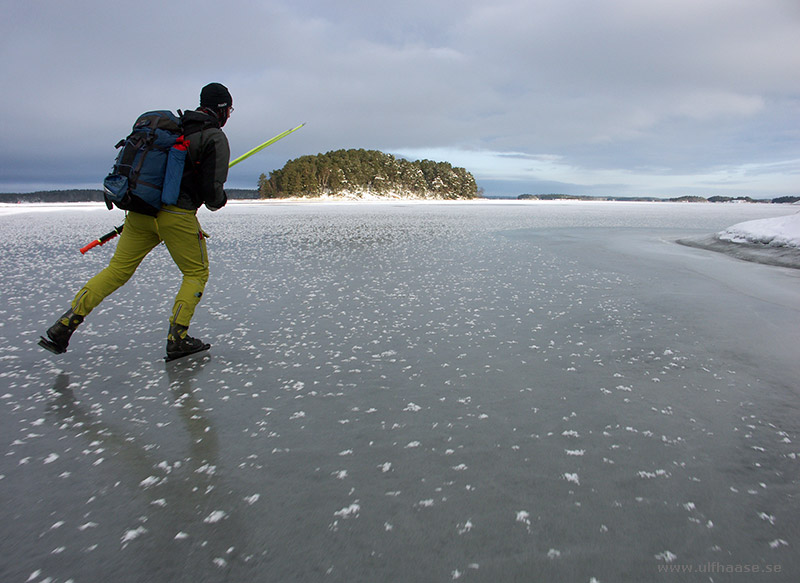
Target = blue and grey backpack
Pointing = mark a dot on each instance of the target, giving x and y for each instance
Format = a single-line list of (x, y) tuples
[(148, 169)]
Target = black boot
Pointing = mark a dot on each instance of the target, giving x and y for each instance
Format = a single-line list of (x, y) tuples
[(180, 344), (58, 334)]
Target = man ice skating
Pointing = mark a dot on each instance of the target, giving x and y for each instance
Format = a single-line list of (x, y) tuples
[(176, 225)]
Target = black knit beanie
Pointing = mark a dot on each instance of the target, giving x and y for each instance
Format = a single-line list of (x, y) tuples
[(216, 96)]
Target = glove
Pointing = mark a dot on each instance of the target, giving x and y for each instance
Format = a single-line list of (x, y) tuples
[(224, 201)]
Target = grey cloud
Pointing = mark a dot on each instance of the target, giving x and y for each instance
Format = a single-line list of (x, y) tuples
[(622, 85)]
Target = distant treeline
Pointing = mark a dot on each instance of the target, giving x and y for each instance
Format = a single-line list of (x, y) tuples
[(89, 195), (53, 196), (779, 200), (366, 173)]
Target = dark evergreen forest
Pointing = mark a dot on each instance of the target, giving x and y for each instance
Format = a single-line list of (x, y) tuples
[(367, 173)]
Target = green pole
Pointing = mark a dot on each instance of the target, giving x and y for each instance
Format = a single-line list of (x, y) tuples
[(264, 145)]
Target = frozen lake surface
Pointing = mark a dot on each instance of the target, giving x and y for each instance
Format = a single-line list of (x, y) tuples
[(406, 392)]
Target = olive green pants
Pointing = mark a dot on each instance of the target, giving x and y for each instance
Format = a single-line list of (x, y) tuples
[(180, 231)]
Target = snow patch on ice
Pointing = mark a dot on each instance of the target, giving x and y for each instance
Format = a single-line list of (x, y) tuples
[(215, 517), (774, 232), (133, 534), (351, 511)]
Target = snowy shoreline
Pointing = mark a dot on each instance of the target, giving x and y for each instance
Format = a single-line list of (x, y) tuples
[(331, 200), (775, 232), (773, 241)]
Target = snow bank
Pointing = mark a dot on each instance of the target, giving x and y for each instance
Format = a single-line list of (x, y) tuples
[(48, 207), (774, 232)]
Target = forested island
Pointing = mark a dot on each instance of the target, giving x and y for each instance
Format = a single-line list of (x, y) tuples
[(367, 174)]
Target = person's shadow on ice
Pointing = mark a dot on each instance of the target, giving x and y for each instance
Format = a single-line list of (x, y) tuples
[(188, 521)]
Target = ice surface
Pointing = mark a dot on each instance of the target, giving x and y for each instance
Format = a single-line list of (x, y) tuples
[(404, 392)]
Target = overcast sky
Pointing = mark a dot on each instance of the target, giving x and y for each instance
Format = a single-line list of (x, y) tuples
[(603, 97)]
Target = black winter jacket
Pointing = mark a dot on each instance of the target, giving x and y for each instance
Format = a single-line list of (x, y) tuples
[(206, 167)]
